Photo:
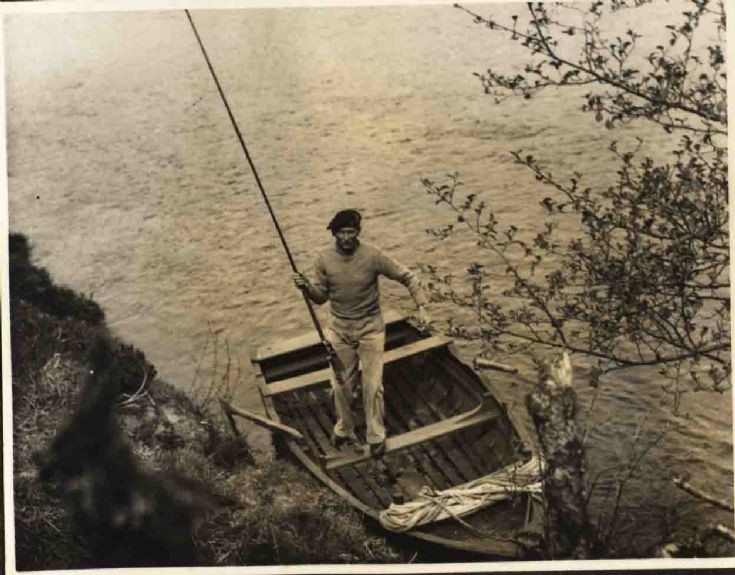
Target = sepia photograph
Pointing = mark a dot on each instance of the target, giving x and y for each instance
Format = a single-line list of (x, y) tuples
[(412, 285)]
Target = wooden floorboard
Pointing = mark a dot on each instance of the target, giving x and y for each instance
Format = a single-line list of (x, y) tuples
[(485, 446), (429, 448), (380, 494), (295, 416), (415, 456), (478, 466), (453, 453), (326, 423), (479, 449), (420, 457), (346, 476), (373, 476), (284, 411)]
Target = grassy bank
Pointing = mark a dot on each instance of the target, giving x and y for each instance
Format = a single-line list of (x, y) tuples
[(114, 467)]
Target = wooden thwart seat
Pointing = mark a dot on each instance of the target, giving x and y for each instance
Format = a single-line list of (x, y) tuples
[(416, 436), (321, 377)]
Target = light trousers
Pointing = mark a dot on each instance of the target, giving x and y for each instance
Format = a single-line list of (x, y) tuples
[(359, 343)]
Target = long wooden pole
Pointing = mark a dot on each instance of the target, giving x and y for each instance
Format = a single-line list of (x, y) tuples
[(331, 355), (689, 488)]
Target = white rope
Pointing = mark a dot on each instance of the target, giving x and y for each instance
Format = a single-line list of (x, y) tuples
[(430, 505)]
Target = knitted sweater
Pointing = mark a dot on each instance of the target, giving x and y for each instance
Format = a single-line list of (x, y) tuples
[(350, 282)]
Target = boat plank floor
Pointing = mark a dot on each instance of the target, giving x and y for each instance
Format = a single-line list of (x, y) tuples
[(381, 497), (396, 427), (312, 434), (396, 463), (439, 434), (452, 446), (443, 444), (400, 424), (368, 476), (452, 452), (430, 449), (370, 472), (317, 435), (480, 449), (374, 468), (488, 440), (478, 465), (296, 418)]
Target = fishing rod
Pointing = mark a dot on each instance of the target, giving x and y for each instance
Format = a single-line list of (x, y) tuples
[(331, 354)]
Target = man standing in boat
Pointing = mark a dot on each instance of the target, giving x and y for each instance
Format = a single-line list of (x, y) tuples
[(346, 275)]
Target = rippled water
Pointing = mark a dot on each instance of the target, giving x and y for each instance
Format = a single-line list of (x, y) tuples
[(127, 177)]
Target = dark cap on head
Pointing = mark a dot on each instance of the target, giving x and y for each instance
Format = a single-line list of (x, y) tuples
[(345, 219)]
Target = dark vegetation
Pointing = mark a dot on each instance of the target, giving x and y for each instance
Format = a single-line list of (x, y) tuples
[(627, 274), (114, 467)]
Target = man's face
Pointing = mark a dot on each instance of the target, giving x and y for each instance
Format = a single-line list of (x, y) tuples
[(347, 238)]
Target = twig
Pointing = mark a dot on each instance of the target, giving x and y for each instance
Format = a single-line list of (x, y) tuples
[(50, 524), (589, 413), (725, 532), (483, 363), (633, 466), (689, 488), (138, 392)]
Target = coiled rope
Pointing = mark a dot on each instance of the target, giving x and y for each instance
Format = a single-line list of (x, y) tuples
[(430, 506)]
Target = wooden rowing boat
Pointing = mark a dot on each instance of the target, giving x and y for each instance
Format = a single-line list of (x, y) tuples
[(446, 429)]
